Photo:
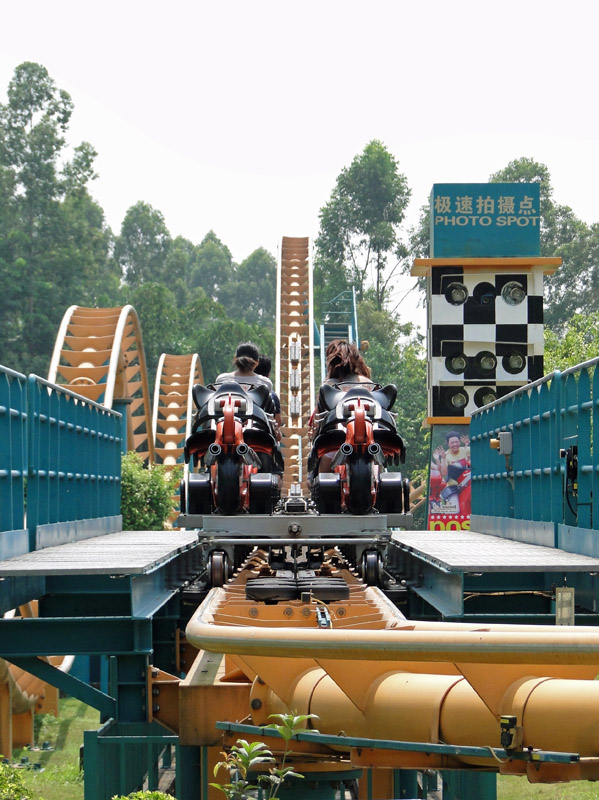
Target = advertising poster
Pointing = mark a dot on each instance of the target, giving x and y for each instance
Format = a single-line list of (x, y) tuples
[(449, 486)]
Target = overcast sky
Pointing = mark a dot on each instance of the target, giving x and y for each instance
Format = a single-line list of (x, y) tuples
[(238, 116)]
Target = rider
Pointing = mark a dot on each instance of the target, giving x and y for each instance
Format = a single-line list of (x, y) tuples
[(345, 369), (246, 360)]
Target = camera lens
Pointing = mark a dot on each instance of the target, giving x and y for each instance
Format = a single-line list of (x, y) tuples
[(484, 396), (485, 361), (459, 399), (513, 293), (456, 294), (456, 363), (514, 363), (484, 293)]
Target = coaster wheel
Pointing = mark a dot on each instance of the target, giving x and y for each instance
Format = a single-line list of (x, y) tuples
[(218, 568), (359, 477), (371, 568), (227, 485)]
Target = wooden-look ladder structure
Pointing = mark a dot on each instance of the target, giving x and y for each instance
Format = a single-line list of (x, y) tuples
[(294, 379), (99, 354)]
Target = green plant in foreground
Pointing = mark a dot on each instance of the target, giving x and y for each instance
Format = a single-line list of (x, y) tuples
[(245, 757), (11, 784), (146, 493), (144, 796)]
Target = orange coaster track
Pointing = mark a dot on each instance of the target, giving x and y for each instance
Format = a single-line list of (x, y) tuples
[(173, 405), (295, 343), (99, 354)]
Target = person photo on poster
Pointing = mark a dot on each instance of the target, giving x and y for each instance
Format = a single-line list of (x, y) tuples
[(450, 489)]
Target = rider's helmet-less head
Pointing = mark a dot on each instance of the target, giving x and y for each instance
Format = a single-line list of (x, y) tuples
[(247, 356), (343, 358)]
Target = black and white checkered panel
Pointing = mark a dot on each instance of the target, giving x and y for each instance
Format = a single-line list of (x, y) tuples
[(442, 395), (485, 323)]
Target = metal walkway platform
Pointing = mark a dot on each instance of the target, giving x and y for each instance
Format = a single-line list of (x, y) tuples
[(122, 553), (468, 551), (444, 567)]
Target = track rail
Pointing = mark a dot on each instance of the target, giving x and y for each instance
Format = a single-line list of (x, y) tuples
[(295, 345), (99, 354), (173, 405)]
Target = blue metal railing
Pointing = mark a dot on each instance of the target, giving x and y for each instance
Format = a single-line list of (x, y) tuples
[(60, 464), (74, 456), (552, 475), (13, 449)]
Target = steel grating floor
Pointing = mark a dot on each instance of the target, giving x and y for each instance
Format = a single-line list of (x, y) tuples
[(468, 551), (125, 552)]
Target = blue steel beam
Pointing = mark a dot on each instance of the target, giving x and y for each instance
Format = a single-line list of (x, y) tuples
[(15, 592), (70, 685), (547, 756), (75, 636)]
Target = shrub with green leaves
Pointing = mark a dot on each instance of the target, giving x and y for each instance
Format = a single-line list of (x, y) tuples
[(246, 757), (11, 784), (146, 493), (145, 796)]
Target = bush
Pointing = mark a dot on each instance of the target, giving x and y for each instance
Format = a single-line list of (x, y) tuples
[(146, 493), (145, 796), (11, 784)]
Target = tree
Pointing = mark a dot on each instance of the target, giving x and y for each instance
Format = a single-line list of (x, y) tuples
[(577, 342), (359, 226), (213, 267), (180, 261), (54, 244), (156, 308), (575, 286), (396, 354), (251, 292), (143, 245)]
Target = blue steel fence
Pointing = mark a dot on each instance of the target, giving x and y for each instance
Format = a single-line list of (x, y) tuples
[(551, 478), (60, 464), (13, 449), (74, 457)]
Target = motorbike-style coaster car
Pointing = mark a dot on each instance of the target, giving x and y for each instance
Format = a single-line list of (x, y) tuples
[(355, 440), (233, 446)]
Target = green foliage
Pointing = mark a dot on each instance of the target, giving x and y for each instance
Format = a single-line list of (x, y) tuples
[(11, 784), (396, 354), (156, 308), (60, 778), (251, 294), (246, 757), (142, 247), (144, 796), (214, 266), (578, 342), (54, 244), (146, 494), (572, 289), (359, 226)]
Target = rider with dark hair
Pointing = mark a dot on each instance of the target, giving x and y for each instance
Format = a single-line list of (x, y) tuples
[(246, 360), (345, 364), (346, 368)]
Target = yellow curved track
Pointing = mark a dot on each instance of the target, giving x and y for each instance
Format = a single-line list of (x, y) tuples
[(21, 693), (99, 354), (295, 345), (173, 405)]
